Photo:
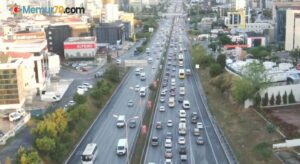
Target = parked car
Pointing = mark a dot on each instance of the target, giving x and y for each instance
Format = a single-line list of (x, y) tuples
[(14, 116)]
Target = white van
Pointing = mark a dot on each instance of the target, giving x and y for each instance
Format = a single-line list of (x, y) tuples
[(122, 146), (142, 91), (89, 154), (171, 102), (121, 121)]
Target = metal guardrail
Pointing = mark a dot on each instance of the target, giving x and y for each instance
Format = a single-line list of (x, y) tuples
[(99, 115), (219, 133), (156, 99)]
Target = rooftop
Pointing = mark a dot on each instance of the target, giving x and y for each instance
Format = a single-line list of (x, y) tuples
[(81, 39)]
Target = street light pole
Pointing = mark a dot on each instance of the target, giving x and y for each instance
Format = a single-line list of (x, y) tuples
[(126, 134)]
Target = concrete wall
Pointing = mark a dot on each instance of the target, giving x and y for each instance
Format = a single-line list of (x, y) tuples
[(288, 88)]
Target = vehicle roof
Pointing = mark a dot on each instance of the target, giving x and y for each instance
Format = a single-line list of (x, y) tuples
[(89, 148)]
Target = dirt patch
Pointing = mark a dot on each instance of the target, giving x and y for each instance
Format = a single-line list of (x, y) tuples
[(291, 116), (244, 129)]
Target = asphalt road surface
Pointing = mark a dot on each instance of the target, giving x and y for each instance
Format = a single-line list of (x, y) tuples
[(209, 153), (104, 131)]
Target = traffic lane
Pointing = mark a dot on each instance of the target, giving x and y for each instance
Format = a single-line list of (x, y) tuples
[(107, 123), (202, 153), (211, 135)]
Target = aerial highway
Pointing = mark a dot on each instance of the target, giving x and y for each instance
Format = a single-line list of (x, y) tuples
[(104, 131)]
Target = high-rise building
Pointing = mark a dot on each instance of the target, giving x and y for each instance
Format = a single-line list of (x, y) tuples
[(11, 79), (292, 34), (238, 4), (279, 18), (111, 33), (56, 35), (236, 19), (129, 25)]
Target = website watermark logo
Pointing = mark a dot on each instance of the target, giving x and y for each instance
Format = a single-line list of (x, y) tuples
[(17, 9)]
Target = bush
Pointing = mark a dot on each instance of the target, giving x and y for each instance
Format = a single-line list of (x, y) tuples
[(270, 128), (222, 82), (221, 59), (291, 97), (205, 60), (272, 100), (257, 100), (215, 69), (278, 99), (242, 90), (263, 151), (112, 74), (79, 99), (265, 100), (284, 98), (29, 156)]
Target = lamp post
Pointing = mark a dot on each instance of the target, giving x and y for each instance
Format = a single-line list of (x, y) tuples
[(126, 133)]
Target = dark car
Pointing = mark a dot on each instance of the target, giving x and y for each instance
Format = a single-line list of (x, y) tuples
[(132, 123), (154, 141), (167, 74), (168, 153), (1, 133), (182, 149), (180, 99), (181, 84)]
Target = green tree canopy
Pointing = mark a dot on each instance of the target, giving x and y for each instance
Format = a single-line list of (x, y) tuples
[(29, 156)]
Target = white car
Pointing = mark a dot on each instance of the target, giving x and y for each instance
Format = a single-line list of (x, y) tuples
[(162, 109), (14, 116), (170, 123), (182, 114), (137, 88), (168, 143), (181, 140), (182, 120), (162, 99), (199, 125), (186, 104), (83, 87), (118, 61), (71, 103), (88, 85), (168, 161)]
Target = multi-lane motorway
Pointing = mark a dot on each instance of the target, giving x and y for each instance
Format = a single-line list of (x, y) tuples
[(211, 151), (104, 131)]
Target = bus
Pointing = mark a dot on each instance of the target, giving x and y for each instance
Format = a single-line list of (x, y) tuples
[(181, 74), (89, 154), (180, 60)]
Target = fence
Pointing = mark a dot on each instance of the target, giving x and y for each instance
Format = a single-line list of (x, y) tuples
[(16, 128)]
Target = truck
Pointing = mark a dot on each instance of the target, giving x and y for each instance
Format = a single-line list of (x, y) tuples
[(182, 128)]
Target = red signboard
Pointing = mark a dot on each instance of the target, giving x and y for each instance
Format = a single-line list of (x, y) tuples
[(79, 46)]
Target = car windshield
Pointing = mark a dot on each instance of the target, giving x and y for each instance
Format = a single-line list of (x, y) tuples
[(86, 157)]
